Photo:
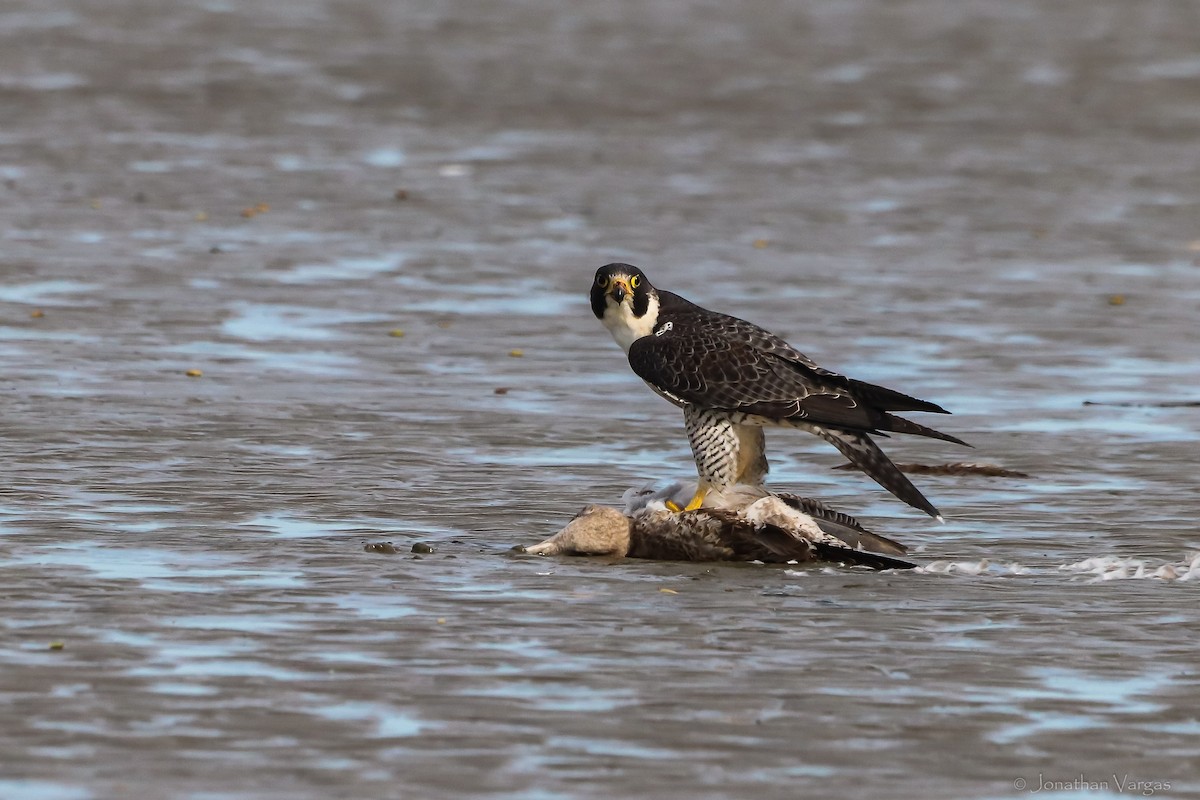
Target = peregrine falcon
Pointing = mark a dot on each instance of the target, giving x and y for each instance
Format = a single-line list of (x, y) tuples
[(731, 378)]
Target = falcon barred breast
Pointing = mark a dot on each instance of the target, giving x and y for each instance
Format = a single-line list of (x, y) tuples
[(732, 378)]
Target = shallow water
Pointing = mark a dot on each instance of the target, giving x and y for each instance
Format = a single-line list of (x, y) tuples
[(990, 205)]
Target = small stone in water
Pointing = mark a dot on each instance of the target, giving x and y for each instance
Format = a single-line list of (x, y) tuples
[(421, 547)]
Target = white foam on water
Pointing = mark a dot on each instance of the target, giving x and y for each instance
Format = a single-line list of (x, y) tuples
[(1092, 570), (1109, 568)]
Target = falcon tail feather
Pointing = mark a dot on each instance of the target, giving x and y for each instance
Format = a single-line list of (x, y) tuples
[(890, 400), (867, 456), (901, 425)]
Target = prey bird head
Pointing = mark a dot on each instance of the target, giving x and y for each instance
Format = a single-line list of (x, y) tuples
[(595, 531), (625, 301)]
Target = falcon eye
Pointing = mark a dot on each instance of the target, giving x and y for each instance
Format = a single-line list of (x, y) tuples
[(634, 281), (601, 281)]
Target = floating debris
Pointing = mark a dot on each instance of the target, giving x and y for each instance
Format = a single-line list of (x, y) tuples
[(386, 548), (1116, 299), (423, 548), (194, 373), (500, 390), (255, 210), (396, 333), (957, 468), (400, 194), (57, 645), (516, 353), (200, 216), (1159, 404), (761, 244), (37, 313), (668, 591)]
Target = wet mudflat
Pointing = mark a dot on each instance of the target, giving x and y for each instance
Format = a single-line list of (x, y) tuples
[(370, 227)]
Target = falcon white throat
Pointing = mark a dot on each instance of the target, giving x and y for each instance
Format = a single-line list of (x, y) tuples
[(732, 378)]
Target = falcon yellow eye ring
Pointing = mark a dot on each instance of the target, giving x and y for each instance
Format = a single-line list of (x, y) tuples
[(634, 281)]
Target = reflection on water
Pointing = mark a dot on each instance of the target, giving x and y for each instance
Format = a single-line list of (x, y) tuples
[(47, 292)]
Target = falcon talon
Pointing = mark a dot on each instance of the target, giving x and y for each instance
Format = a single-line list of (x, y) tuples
[(697, 500), (733, 378)]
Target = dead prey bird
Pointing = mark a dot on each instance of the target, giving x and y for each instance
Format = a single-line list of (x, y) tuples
[(769, 530)]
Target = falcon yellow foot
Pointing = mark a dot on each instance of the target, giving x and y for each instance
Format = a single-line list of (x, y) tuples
[(696, 501)]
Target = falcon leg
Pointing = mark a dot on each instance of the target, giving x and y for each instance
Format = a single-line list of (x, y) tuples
[(752, 454), (715, 445)]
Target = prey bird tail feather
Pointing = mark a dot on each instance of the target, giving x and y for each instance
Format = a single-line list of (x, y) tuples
[(786, 545), (842, 526), (861, 558)]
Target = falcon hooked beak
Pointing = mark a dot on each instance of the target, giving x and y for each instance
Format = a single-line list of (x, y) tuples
[(618, 289)]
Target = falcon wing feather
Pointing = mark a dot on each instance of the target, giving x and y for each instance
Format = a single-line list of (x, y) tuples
[(725, 363)]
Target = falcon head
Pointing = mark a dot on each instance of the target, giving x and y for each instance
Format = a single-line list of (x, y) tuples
[(625, 302)]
